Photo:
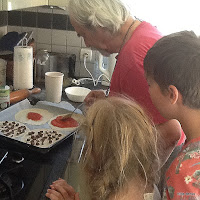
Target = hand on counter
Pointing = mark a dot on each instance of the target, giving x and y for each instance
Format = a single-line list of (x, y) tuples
[(60, 190)]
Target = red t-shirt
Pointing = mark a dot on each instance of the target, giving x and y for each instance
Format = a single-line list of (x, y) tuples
[(128, 77)]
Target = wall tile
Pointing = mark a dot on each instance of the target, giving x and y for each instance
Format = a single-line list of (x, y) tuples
[(82, 43), (72, 39), (43, 46), (74, 50), (53, 31), (44, 20), (15, 28), (69, 25), (32, 9), (59, 22), (59, 48), (59, 37), (27, 29), (77, 69), (29, 19), (91, 67), (3, 30), (3, 18), (59, 11), (15, 18), (45, 9), (44, 36)]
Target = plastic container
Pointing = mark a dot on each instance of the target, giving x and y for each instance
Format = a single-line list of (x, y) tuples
[(4, 97), (2, 72)]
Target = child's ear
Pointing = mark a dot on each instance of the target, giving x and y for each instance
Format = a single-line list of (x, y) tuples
[(173, 94)]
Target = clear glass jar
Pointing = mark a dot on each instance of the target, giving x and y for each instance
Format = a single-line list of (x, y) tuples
[(42, 65)]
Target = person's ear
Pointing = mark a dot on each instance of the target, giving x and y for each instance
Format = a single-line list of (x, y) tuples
[(173, 94)]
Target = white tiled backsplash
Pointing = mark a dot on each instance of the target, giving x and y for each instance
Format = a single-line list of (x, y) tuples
[(62, 41)]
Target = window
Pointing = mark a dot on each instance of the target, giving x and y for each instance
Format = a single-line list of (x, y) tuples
[(168, 15)]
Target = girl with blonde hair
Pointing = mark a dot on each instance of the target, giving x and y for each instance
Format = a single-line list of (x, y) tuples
[(120, 157)]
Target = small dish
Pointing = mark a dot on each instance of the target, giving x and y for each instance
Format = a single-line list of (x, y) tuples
[(77, 94)]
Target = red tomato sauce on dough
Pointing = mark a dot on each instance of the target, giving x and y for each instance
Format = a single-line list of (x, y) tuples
[(67, 123), (34, 116)]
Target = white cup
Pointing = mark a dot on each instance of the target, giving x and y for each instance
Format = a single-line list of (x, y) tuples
[(53, 86)]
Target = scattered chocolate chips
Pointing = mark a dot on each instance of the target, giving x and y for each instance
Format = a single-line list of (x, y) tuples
[(12, 129), (43, 138)]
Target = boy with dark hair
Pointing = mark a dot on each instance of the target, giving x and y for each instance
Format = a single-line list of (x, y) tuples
[(172, 68)]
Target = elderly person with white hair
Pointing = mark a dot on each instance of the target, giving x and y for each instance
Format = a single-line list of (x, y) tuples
[(109, 27)]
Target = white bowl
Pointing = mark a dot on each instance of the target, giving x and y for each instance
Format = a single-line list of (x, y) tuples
[(77, 94)]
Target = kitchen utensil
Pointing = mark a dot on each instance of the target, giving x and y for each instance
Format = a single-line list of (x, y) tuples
[(77, 94), (70, 114), (19, 95), (53, 86)]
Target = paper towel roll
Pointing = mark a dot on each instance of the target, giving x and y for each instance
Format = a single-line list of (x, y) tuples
[(23, 67)]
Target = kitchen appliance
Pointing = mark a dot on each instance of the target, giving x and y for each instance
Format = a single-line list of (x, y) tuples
[(58, 62), (106, 66)]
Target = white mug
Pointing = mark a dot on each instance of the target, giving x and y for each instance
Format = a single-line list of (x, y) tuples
[(53, 86)]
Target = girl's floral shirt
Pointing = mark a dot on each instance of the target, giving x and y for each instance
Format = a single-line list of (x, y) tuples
[(183, 175)]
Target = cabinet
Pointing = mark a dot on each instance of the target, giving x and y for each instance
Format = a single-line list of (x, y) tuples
[(20, 4)]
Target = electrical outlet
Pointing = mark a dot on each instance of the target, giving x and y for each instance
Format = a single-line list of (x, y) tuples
[(86, 52)]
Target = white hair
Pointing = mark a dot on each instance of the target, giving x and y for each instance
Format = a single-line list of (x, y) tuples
[(109, 14)]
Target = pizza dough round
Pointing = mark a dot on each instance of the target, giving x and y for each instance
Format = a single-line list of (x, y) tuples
[(42, 138), (21, 116), (12, 129), (77, 117)]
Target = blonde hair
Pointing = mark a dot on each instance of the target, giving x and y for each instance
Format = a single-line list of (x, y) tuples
[(121, 144), (109, 14)]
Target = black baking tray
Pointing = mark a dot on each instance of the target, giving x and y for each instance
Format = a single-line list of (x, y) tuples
[(57, 109), (29, 147)]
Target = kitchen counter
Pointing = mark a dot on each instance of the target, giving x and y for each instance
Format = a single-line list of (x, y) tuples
[(40, 170), (41, 96)]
